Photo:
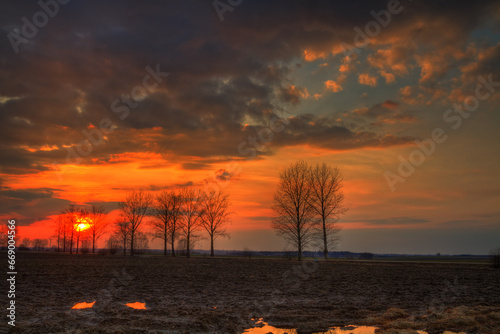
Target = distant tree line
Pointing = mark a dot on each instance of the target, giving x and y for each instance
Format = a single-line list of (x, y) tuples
[(175, 217)]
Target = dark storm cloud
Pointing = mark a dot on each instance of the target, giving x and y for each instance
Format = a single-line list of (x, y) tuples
[(28, 194), (222, 73), (30, 205)]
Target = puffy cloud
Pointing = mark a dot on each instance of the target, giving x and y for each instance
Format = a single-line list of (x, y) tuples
[(310, 55), (367, 79), (333, 86)]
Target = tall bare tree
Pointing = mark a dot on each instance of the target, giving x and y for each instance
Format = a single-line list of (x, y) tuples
[(327, 200), (167, 213), (58, 233), (141, 242), (98, 223), (133, 209), (70, 216), (294, 218), (122, 232), (82, 217), (190, 223), (113, 243), (215, 215)]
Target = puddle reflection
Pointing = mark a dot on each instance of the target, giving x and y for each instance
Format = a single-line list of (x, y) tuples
[(265, 328), (137, 305), (78, 306)]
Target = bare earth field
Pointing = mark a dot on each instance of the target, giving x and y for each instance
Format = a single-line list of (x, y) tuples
[(221, 295)]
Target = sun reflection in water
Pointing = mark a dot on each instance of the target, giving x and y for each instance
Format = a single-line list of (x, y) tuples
[(78, 306), (137, 305)]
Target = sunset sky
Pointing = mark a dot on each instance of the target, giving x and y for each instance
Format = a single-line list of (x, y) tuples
[(252, 87)]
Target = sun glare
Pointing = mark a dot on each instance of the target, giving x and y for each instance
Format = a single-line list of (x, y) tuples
[(83, 223)]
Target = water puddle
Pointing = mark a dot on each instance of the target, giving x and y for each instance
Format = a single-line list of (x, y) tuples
[(265, 328), (83, 305), (137, 305)]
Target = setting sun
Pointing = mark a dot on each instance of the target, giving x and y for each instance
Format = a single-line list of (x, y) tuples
[(83, 223)]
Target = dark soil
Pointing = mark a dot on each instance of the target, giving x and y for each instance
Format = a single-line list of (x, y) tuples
[(221, 295)]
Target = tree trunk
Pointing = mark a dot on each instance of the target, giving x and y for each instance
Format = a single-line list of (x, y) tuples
[(173, 246), (325, 242), (132, 244), (124, 246), (77, 242), (93, 244), (299, 244), (212, 246), (188, 250), (299, 237), (165, 246), (172, 236)]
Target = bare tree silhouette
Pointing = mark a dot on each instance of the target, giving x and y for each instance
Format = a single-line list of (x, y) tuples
[(122, 232), (133, 209), (294, 214), (167, 213), (190, 223), (98, 223), (82, 217), (26, 242), (40, 244), (141, 242), (113, 243), (327, 202), (215, 215), (70, 216), (495, 257)]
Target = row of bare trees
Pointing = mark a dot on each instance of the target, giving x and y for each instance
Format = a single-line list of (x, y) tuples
[(308, 203), (176, 216), (76, 224)]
